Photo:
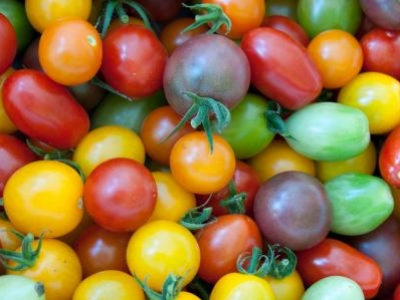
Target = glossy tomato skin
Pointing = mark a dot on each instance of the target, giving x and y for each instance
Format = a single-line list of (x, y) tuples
[(245, 180), (14, 153), (120, 194), (221, 242), (52, 109), (214, 67), (281, 68), (381, 48), (8, 43), (133, 61), (382, 13), (292, 209), (389, 158), (334, 257)]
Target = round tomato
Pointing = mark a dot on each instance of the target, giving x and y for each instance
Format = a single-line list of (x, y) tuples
[(6, 125), (338, 56), (106, 142), (378, 96), (241, 287), (160, 248), (70, 51), (8, 240), (120, 194), (41, 13), (52, 109), (133, 61), (279, 157), (8, 43), (223, 241), (110, 284), (57, 267), (173, 201), (290, 287), (100, 249), (44, 196), (199, 170)]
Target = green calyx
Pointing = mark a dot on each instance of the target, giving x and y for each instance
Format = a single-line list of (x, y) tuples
[(170, 290), (197, 218), (235, 201)]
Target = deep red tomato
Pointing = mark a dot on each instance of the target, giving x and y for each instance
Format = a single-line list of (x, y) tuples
[(396, 294), (43, 109), (8, 43), (162, 11), (245, 180), (120, 194), (381, 49), (221, 242), (389, 158), (14, 153), (334, 257), (133, 60), (100, 249), (288, 26), (281, 68)]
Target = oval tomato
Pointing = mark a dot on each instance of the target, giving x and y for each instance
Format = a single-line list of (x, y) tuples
[(133, 61), (120, 194), (70, 51), (52, 109), (45, 190), (334, 257), (8, 43), (6, 125), (281, 68)]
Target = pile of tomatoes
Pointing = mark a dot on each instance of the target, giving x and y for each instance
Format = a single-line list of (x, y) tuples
[(199, 149)]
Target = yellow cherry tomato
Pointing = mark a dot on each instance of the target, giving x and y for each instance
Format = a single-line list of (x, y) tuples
[(279, 157), (187, 296), (378, 96), (109, 284), (41, 13), (160, 248), (44, 196), (290, 287), (364, 163), (6, 125), (173, 201), (105, 142), (237, 286), (57, 267), (8, 240)]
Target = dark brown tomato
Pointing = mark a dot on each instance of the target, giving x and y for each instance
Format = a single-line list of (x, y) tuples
[(384, 13), (292, 209), (208, 65), (223, 241)]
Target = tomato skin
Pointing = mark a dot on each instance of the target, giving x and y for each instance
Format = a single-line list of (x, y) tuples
[(389, 158), (291, 287), (133, 61), (281, 68), (383, 13), (14, 153), (120, 194), (52, 109), (70, 51), (8, 43), (334, 257), (221, 243)]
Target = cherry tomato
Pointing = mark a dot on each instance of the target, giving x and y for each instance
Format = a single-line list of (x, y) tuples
[(156, 127), (52, 109), (173, 201), (57, 267), (110, 284), (100, 249), (241, 286), (279, 157), (162, 11), (120, 194), (334, 257), (281, 68), (6, 125), (338, 56), (8, 240), (8, 43), (70, 51), (388, 158), (160, 248), (41, 13), (290, 287), (199, 170), (222, 242), (107, 142), (44, 196), (133, 61)]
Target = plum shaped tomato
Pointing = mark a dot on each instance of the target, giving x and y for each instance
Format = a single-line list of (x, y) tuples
[(8, 43)]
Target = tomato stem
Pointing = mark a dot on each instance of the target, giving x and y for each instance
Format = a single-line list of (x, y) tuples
[(284, 261), (255, 263), (235, 201), (97, 81), (209, 14), (197, 218), (170, 289), (275, 122)]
